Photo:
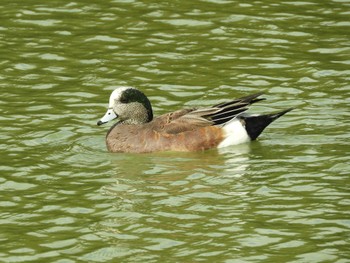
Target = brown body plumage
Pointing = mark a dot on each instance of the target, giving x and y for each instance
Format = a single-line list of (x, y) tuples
[(168, 132)]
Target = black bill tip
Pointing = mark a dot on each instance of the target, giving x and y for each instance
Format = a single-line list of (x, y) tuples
[(100, 122)]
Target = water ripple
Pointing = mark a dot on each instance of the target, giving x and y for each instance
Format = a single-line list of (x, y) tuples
[(283, 198)]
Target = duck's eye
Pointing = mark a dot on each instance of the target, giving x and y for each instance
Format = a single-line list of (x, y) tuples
[(123, 100)]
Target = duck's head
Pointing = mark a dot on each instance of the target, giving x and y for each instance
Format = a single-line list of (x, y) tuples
[(128, 105)]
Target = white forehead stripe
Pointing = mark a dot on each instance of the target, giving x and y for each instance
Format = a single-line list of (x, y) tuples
[(117, 93)]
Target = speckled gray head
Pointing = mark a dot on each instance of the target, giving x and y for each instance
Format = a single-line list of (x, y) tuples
[(128, 105)]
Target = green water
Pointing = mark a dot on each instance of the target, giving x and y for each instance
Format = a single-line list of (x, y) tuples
[(64, 198)]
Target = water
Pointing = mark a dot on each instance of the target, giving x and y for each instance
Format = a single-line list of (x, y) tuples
[(64, 198)]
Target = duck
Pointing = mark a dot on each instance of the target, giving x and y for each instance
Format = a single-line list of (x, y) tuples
[(136, 130)]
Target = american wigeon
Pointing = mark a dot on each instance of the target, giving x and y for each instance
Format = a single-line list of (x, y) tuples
[(191, 129)]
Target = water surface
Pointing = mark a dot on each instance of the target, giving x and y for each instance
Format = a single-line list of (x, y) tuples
[(283, 198)]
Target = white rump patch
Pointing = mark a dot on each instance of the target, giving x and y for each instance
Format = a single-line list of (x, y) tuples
[(235, 133)]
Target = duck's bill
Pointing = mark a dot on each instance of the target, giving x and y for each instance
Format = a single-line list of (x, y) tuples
[(110, 115)]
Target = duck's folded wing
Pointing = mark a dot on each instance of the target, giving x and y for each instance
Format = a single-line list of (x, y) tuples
[(205, 117), (182, 120), (191, 119)]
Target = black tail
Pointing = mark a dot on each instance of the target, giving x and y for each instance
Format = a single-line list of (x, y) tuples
[(256, 124)]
